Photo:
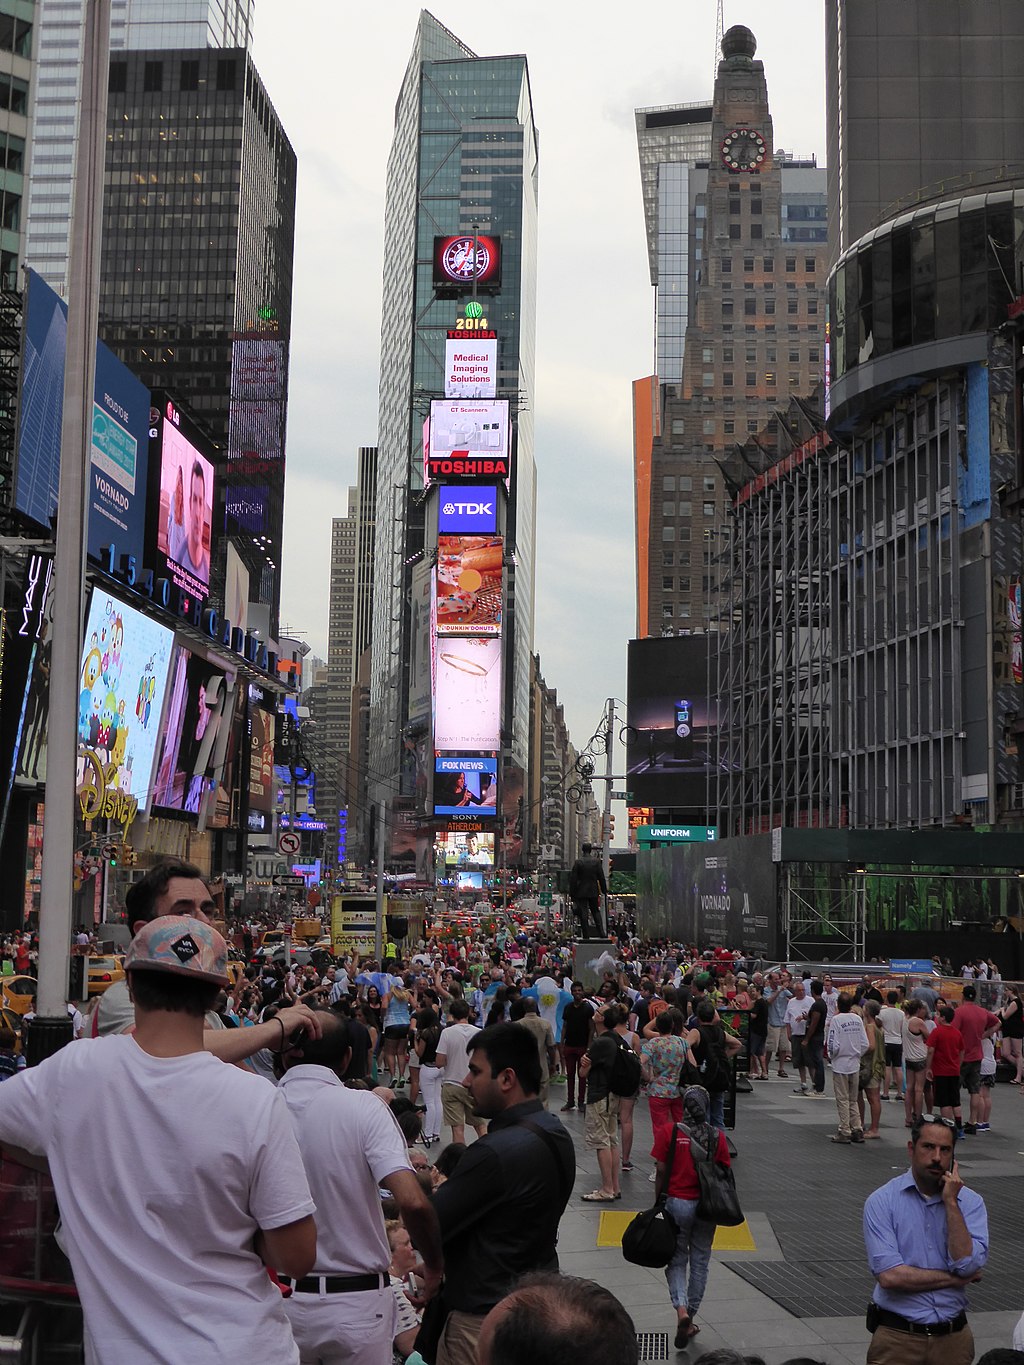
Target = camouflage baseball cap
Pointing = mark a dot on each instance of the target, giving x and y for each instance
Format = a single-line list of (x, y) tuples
[(181, 945)]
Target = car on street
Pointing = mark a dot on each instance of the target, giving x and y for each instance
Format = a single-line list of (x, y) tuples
[(102, 972), (18, 993)]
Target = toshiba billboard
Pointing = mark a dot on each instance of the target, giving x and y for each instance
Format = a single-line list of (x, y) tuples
[(470, 366), (468, 440)]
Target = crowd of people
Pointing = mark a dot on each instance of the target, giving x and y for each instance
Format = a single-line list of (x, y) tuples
[(314, 1212)]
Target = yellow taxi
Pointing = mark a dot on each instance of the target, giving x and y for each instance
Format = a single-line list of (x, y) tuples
[(18, 993), (102, 972)]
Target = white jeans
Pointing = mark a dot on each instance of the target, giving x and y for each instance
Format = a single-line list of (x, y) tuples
[(336, 1329), (430, 1089)]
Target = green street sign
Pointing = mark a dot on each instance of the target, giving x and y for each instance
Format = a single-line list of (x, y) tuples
[(622, 796), (677, 834), (544, 898)]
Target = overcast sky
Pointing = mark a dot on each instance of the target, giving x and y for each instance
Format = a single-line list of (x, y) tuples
[(333, 71)]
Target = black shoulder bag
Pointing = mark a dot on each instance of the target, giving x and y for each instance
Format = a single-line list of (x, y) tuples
[(719, 1203), (650, 1239)]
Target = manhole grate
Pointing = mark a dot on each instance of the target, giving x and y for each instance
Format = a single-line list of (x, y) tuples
[(652, 1346)]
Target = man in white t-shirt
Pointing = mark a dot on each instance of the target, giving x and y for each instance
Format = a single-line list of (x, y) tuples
[(351, 1145), (453, 1057), (797, 1011), (890, 1016), (195, 1180), (847, 1040)]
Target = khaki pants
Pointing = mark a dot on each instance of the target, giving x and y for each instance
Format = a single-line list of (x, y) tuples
[(458, 1340), (845, 1088), (889, 1347)]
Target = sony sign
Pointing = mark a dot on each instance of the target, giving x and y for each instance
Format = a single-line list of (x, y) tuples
[(467, 508)]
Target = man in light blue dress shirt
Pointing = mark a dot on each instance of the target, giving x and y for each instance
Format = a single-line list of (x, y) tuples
[(927, 1239)]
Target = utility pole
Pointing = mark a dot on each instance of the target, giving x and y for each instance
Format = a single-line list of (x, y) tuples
[(51, 1028), (378, 938), (607, 822)]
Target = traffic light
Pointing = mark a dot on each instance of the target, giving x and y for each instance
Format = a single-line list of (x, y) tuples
[(110, 854)]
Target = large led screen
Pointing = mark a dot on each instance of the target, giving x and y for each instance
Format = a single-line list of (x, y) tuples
[(672, 711), (185, 518), (469, 585), (261, 757), (120, 424), (467, 695), (466, 260), (468, 440), (466, 785), (467, 509), (125, 663), (464, 850), (470, 367), (177, 783)]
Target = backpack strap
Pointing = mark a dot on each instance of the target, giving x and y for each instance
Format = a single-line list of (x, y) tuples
[(547, 1138)]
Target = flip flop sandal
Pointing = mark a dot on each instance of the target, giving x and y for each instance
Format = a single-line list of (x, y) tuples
[(692, 1330), (599, 1197)]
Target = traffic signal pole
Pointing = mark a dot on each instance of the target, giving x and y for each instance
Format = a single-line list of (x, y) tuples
[(606, 831)]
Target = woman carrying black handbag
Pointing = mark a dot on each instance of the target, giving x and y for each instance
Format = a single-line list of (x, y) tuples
[(687, 1272)]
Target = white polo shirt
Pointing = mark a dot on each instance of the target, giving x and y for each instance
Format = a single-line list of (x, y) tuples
[(350, 1143)]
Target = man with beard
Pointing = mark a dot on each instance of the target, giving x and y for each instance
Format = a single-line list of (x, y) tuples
[(927, 1239), (499, 1209)]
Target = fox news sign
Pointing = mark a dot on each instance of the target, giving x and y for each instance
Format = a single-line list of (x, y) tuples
[(467, 507)]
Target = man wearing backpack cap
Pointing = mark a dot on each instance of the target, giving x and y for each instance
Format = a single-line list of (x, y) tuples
[(602, 1129), (195, 1184)]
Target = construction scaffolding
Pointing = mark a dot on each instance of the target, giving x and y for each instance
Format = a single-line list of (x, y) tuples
[(775, 694)]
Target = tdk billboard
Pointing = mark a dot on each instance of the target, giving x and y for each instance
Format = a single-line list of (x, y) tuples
[(467, 507)]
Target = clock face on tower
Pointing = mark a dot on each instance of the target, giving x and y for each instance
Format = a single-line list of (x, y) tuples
[(744, 149)]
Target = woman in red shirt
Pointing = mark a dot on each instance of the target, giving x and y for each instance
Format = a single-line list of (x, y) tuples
[(682, 1191)]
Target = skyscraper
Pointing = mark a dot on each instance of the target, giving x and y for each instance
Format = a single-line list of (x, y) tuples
[(463, 161), (923, 100), (166, 24), (196, 273), (754, 336)]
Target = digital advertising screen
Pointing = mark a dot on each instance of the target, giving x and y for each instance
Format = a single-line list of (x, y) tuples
[(467, 695), (420, 640), (468, 440), (466, 785), (456, 850), (467, 259), (469, 881), (467, 509), (118, 469), (125, 664), (177, 785), (672, 712), (184, 523), (470, 367), (261, 758), (468, 589)]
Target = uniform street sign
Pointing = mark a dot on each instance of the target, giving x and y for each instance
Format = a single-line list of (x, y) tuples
[(288, 880), (677, 834)]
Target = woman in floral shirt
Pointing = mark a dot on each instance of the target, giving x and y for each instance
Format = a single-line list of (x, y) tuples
[(661, 1059)]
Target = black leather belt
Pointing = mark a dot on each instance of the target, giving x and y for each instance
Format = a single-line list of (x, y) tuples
[(921, 1329), (333, 1284)]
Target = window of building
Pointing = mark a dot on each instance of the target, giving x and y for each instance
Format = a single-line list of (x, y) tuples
[(752, 425), (790, 265), (685, 483), (751, 379), (756, 232), (668, 534), (684, 610), (15, 35), (734, 204), (668, 509), (707, 354), (668, 558), (728, 426), (749, 284), (153, 77), (726, 266), (227, 73), (12, 154), (727, 353), (794, 357), (750, 307), (810, 265), (684, 534), (771, 355), (679, 425), (768, 265), (727, 308), (794, 381), (668, 584), (684, 585), (792, 305), (686, 509), (709, 426), (117, 80), (727, 379), (756, 206), (190, 74), (734, 232), (748, 263), (709, 484), (814, 355), (668, 483), (812, 307), (769, 307), (666, 611), (707, 378), (769, 378)]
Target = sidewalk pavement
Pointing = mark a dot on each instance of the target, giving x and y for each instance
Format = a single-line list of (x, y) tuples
[(804, 1288)]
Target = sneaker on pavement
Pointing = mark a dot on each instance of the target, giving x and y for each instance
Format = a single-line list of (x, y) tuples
[(857, 1135), (841, 1137), (800, 1090), (984, 1127), (970, 1129), (566, 1108)]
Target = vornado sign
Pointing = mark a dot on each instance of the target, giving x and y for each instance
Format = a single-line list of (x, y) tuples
[(467, 507)]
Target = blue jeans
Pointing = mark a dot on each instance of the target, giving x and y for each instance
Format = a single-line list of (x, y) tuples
[(716, 1110), (693, 1246)]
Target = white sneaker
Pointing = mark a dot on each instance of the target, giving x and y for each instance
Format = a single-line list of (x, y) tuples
[(652, 1178)]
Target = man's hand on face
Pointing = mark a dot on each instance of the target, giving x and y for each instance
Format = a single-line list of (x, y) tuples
[(952, 1185)]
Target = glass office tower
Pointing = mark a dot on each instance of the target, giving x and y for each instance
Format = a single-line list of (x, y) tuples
[(463, 157)]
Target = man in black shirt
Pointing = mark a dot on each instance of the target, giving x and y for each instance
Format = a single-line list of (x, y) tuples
[(814, 1040), (602, 1105), (576, 1030), (499, 1209)]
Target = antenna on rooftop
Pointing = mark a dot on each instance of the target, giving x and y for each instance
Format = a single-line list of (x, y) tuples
[(719, 34)]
